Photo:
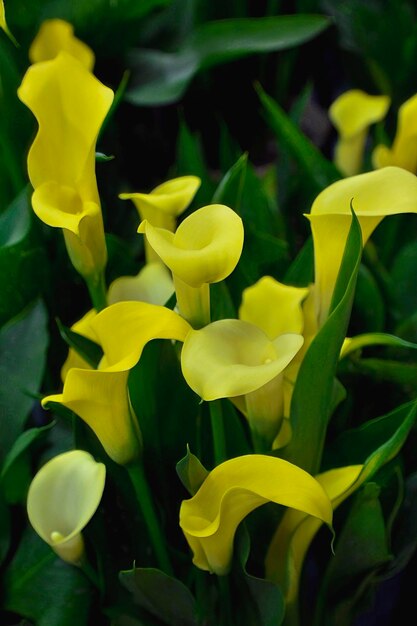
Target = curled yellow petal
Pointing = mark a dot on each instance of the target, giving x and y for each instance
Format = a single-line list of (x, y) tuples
[(403, 152), (166, 202), (62, 499), (274, 307), (56, 36), (352, 114), (286, 553), (205, 248), (373, 195), (234, 489), (153, 284), (101, 399), (70, 105), (231, 358)]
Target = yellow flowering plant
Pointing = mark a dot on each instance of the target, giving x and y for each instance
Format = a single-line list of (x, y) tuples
[(207, 393)]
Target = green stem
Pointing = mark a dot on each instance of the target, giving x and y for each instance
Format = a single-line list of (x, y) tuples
[(225, 601), (91, 574), (217, 427), (144, 498), (98, 292)]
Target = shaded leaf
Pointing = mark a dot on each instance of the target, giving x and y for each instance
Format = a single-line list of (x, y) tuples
[(89, 350)]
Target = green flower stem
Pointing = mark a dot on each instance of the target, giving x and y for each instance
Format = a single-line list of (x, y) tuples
[(217, 427), (193, 302), (91, 574), (225, 604), (97, 290), (144, 498)]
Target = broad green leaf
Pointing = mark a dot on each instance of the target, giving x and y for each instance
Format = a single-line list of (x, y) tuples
[(165, 597), (368, 310), (163, 77), (16, 472), (23, 345), (4, 526), (22, 260), (315, 168), (402, 272), (89, 350), (44, 589), (230, 188), (313, 393), (256, 602), (394, 372)]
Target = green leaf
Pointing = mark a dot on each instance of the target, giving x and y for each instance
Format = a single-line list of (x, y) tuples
[(16, 472), (165, 597), (230, 188), (403, 270), (163, 77), (4, 527), (313, 393), (22, 259), (23, 345), (190, 160), (89, 350), (368, 310), (42, 588), (257, 602), (317, 171), (191, 472)]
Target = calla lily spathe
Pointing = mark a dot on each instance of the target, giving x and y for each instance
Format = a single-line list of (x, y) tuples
[(373, 195), (352, 113), (164, 204), (62, 498), (205, 248), (70, 105), (235, 488), (100, 397), (235, 359), (403, 152), (57, 36)]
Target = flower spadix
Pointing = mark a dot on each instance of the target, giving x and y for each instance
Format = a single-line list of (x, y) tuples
[(374, 195), (233, 358), (352, 114), (57, 36), (70, 105), (205, 248), (100, 397), (235, 488), (403, 151), (62, 498)]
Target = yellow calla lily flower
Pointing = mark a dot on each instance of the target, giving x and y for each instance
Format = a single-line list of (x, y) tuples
[(403, 152), (235, 488), (100, 397), (163, 205), (374, 195), (352, 113), (62, 498), (231, 358), (70, 105), (205, 248), (153, 284), (57, 36)]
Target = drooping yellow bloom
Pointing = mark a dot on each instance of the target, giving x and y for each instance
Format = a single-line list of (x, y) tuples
[(70, 105), (62, 498), (205, 248), (57, 36), (235, 359), (352, 113), (403, 152), (234, 489), (100, 397), (164, 204), (374, 195), (296, 531)]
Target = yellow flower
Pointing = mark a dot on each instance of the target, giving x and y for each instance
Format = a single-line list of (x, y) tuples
[(62, 498), (352, 114), (100, 397), (233, 358), (205, 248), (296, 531), (374, 195), (70, 105), (163, 205), (57, 36), (403, 152), (235, 488)]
